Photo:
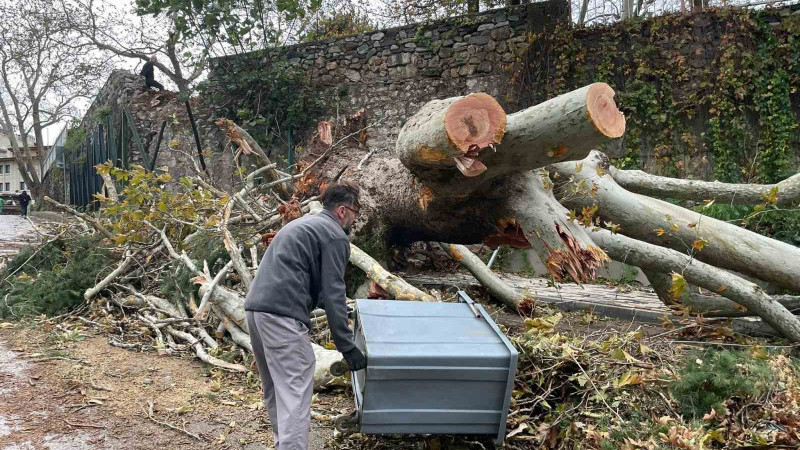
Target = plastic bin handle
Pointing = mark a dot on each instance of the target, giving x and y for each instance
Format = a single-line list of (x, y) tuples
[(464, 298)]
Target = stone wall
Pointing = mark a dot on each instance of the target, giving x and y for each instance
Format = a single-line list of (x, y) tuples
[(391, 73), (149, 109)]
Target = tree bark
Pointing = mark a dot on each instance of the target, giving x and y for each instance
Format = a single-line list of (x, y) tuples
[(395, 286), (743, 292), (497, 288), (709, 305), (787, 191), (640, 217), (451, 133)]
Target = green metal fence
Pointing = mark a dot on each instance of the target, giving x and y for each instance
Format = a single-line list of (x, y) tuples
[(105, 142)]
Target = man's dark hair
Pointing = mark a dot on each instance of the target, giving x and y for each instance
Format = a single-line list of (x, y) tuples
[(341, 193)]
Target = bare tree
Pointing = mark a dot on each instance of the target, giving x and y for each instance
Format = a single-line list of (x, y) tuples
[(43, 71)]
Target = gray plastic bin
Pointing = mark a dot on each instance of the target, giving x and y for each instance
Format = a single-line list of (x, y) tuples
[(432, 368)]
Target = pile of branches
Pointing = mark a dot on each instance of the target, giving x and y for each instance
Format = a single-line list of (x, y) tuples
[(180, 255), (613, 389)]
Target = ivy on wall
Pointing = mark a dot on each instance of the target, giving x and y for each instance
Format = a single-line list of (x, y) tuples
[(273, 102), (707, 95)]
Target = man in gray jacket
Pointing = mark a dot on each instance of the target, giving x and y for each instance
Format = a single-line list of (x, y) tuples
[(302, 269)]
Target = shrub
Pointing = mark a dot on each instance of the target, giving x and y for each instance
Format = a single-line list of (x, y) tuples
[(708, 379), (54, 279)]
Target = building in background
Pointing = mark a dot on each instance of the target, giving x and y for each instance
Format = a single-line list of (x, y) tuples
[(10, 178)]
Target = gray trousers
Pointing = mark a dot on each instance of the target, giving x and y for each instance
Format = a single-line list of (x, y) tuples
[(286, 363)]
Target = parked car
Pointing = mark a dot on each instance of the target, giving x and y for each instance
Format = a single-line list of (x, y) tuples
[(11, 205)]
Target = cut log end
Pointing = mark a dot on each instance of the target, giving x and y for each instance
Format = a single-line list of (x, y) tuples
[(603, 112), (475, 122)]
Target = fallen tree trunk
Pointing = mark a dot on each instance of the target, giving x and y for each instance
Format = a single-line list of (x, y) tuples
[(743, 292), (422, 195), (655, 221), (786, 192)]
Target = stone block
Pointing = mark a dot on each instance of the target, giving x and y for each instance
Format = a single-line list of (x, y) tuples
[(399, 59), (363, 48), (377, 36), (353, 75), (491, 46), (331, 65), (500, 34), (500, 17), (334, 49), (486, 26), (410, 45), (466, 70), (475, 60), (430, 72), (485, 67), (460, 45), (445, 52), (454, 73)]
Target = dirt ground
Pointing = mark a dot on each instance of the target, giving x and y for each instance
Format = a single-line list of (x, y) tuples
[(71, 390)]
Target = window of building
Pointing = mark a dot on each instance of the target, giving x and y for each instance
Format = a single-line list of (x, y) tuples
[(21, 185), (8, 169), (8, 186)]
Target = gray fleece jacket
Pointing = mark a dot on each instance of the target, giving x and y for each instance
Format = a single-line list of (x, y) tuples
[(303, 269)]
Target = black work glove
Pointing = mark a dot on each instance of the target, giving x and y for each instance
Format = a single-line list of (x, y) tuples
[(355, 359)]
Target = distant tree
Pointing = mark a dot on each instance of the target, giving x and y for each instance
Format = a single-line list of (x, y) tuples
[(43, 70)]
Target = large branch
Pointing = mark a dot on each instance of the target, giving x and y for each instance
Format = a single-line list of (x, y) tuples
[(658, 222), (122, 267), (497, 288), (234, 250), (395, 286), (242, 138), (788, 190), (85, 217), (743, 292), (563, 128), (535, 215), (706, 304), (450, 133)]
